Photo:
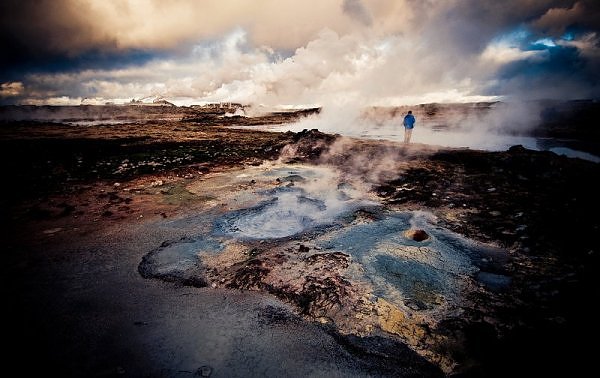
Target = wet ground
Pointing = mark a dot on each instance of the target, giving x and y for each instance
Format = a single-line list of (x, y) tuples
[(320, 239), (451, 260)]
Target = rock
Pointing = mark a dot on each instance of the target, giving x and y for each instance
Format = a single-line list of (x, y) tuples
[(303, 248), (52, 231), (414, 305), (204, 371), (517, 148), (416, 235), (157, 183)]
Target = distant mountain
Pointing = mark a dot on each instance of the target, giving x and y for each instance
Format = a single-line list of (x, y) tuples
[(157, 101)]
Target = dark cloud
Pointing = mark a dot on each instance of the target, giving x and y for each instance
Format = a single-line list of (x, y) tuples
[(568, 69), (581, 15), (468, 26), (49, 34), (356, 9), (562, 73)]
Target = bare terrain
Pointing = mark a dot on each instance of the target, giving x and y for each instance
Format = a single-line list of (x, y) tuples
[(160, 248)]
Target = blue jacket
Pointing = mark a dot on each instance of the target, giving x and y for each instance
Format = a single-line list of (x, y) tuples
[(409, 121)]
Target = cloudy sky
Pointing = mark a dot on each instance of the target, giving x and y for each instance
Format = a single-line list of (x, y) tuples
[(276, 52)]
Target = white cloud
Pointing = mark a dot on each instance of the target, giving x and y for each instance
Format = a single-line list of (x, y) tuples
[(588, 44), (500, 54), (331, 69)]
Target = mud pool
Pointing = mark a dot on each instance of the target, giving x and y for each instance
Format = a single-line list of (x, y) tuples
[(418, 275), (320, 239)]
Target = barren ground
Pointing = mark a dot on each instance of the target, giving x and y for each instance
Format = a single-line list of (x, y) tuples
[(83, 206)]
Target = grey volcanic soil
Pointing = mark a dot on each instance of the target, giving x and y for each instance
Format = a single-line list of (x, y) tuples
[(78, 307)]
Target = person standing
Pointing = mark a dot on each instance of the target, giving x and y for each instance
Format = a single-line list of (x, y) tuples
[(409, 124)]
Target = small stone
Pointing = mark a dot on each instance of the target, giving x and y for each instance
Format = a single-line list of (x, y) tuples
[(303, 248), (491, 190), (414, 305), (117, 184), (204, 371), (52, 231)]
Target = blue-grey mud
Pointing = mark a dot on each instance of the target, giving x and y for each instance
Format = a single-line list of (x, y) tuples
[(316, 237), (174, 248)]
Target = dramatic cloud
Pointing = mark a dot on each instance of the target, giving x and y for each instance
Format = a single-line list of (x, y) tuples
[(357, 10), (330, 52), (581, 15), (11, 89)]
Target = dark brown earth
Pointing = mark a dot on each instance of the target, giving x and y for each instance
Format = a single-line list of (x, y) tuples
[(69, 191)]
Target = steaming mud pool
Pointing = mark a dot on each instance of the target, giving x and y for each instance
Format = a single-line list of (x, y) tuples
[(320, 240)]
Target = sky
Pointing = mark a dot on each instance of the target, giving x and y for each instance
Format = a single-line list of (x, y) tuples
[(298, 53)]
